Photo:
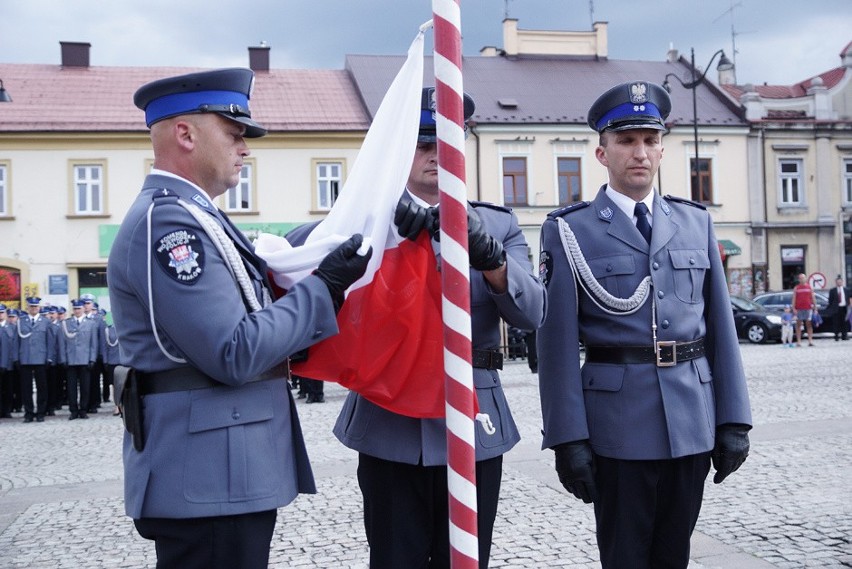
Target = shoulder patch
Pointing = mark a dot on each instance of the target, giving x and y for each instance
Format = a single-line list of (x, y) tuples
[(490, 205), (568, 209), (181, 256), (677, 199), (545, 267)]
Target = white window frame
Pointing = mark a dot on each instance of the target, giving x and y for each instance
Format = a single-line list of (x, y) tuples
[(846, 182), (240, 198), (326, 180), (93, 188), (785, 181), (4, 189)]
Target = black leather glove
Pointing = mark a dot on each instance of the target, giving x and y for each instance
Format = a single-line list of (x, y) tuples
[(575, 464), (731, 449), (486, 253), (342, 267), (410, 219)]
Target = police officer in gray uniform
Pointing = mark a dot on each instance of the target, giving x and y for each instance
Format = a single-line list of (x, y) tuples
[(36, 351), (638, 279), (219, 447), (78, 349), (402, 460)]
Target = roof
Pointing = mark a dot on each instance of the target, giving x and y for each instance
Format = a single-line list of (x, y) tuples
[(572, 85), (50, 98), (829, 79)]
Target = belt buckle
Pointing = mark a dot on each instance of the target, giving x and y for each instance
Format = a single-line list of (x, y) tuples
[(658, 349)]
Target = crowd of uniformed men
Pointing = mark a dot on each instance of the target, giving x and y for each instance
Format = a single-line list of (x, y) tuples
[(67, 357)]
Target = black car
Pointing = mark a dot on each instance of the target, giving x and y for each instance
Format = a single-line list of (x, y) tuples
[(776, 301), (754, 322)]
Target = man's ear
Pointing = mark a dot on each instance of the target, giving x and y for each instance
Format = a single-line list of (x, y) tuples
[(184, 133), (600, 154)]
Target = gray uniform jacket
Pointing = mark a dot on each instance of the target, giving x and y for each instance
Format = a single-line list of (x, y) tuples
[(639, 411), (223, 450), (8, 356), (110, 346), (36, 340), (78, 342), (373, 430)]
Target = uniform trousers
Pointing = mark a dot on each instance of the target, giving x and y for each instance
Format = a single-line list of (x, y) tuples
[(39, 372), (647, 510), (221, 542), (406, 512), (8, 378), (78, 377)]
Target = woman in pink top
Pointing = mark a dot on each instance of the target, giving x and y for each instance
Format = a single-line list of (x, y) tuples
[(804, 302)]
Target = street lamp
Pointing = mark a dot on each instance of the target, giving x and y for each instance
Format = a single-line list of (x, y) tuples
[(5, 97), (724, 65)]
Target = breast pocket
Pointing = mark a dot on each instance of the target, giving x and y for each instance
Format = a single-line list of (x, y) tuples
[(690, 266), (611, 270)]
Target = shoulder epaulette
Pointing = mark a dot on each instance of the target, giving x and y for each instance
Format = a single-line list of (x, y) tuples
[(568, 209), (491, 206), (672, 198)]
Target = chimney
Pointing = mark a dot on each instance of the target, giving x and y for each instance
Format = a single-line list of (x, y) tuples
[(671, 54), (259, 57), (75, 54)]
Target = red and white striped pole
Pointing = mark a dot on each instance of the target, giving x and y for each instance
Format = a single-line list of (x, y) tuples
[(455, 286)]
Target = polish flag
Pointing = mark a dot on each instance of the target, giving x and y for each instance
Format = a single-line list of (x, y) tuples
[(390, 345)]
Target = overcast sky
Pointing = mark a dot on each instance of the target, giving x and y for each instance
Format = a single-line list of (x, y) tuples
[(777, 41)]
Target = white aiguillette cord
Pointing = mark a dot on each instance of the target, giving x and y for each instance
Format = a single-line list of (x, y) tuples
[(228, 252)]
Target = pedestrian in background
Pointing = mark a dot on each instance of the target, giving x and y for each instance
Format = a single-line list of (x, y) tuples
[(804, 302), (788, 320), (7, 359), (838, 305), (36, 351), (216, 446), (662, 392)]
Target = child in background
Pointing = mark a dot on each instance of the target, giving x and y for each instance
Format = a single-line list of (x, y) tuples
[(788, 320)]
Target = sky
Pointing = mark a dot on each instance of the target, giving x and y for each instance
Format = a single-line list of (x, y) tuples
[(778, 42)]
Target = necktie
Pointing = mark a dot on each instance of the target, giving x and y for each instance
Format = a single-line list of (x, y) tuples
[(641, 213)]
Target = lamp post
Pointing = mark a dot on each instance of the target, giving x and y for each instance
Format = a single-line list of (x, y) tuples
[(724, 65)]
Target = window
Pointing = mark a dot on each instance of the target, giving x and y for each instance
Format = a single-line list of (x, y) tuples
[(702, 191), (847, 182), (239, 198), (88, 189), (790, 181), (4, 190), (568, 176), (515, 181), (329, 181)]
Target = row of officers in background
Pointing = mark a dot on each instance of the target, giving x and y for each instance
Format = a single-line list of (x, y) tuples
[(68, 357)]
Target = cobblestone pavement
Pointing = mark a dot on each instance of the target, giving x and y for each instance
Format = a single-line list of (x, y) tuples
[(789, 506)]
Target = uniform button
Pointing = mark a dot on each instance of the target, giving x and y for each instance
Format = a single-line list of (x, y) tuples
[(656, 265), (691, 261), (665, 324), (317, 333), (609, 268), (235, 415), (660, 294)]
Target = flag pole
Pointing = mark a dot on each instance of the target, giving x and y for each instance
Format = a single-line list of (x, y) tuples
[(455, 287)]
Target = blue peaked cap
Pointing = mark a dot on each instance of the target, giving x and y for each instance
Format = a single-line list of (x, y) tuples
[(631, 105)]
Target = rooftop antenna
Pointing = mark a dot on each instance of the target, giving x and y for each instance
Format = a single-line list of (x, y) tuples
[(734, 34), (592, 13)]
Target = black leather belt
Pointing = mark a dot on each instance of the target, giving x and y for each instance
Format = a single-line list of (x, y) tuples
[(665, 354), (488, 359), (187, 378)]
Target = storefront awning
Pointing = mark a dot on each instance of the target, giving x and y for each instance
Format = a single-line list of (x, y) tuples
[(728, 247)]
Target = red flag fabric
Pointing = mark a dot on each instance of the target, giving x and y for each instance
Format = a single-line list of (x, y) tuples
[(390, 345)]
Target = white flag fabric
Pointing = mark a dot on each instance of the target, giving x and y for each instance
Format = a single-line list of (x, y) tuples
[(369, 196)]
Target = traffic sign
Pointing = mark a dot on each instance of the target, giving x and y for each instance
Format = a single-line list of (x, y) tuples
[(817, 281)]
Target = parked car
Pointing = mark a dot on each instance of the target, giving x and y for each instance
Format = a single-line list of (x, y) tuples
[(755, 323), (777, 300)]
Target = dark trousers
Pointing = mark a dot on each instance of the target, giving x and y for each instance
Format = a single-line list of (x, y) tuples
[(95, 386), (53, 387), (78, 376), (7, 379), (647, 510), (39, 373), (839, 323), (221, 542), (406, 515), (109, 378)]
